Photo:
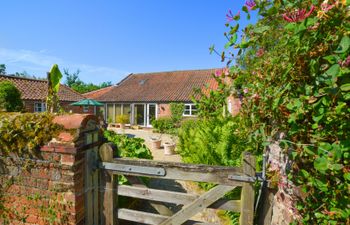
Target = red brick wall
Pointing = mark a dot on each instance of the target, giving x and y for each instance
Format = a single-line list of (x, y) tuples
[(164, 110), (29, 107), (53, 180)]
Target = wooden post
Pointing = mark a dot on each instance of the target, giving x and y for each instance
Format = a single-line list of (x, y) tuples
[(247, 195), (109, 194)]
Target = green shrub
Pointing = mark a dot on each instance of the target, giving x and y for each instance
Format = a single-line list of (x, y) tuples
[(122, 119), (177, 110), (129, 147), (210, 142), (10, 97), (163, 125)]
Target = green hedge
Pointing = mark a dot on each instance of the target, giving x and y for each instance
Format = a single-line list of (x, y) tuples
[(163, 125), (129, 147)]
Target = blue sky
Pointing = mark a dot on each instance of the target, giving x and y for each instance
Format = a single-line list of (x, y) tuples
[(109, 39)]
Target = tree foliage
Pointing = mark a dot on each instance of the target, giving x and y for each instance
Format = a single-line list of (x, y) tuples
[(73, 81), (293, 70), (212, 103), (177, 110), (10, 97), (2, 69)]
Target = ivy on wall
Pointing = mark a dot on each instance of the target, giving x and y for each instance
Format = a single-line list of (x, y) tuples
[(23, 133)]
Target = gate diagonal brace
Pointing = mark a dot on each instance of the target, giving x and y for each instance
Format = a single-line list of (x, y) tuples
[(131, 169)]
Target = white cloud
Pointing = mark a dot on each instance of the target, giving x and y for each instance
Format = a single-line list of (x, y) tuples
[(39, 62)]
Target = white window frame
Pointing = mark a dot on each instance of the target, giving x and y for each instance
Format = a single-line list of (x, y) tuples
[(191, 105), (41, 105), (86, 108)]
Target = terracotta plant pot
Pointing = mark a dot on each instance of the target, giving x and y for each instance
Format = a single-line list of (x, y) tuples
[(169, 148), (156, 143)]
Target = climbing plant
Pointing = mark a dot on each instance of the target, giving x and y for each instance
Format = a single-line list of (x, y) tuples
[(23, 133), (293, 72)]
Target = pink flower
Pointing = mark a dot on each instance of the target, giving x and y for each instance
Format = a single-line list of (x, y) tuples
[(230, 17), (260, 52), (245, 90), (298, 15), (345, 63), (256, 96), (225, 71), (250, 4), (218, 73), (326, 7)]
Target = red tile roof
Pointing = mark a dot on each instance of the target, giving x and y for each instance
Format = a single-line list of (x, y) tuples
[(175, 86), (33, 89), (97, 93)]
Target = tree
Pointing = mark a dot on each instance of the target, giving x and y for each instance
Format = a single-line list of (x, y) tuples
[(2, 69), (72, 78), (73, 81), (10, 97)]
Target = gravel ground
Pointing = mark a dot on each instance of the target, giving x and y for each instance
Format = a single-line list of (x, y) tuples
[(207, 215)]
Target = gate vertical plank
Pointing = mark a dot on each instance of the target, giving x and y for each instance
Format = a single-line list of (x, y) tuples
[(247, 195), (88, 195), (95, 180), (109, 195)]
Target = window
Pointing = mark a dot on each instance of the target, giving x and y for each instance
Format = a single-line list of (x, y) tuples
[(39, 107), (85, 108), (190, 110)]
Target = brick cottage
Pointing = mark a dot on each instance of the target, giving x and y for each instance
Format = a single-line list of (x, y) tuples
[(147, 96), (34, 93)]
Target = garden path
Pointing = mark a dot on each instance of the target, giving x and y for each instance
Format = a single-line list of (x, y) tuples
[(208, 215)]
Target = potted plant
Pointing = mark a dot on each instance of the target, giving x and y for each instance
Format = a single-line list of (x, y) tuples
[(156, 141), (122, 120), (169, 148)]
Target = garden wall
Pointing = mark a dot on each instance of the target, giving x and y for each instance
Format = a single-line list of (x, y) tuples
[(51, 187)]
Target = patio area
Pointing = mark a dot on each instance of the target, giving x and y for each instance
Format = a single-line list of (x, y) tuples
[(146, 134)]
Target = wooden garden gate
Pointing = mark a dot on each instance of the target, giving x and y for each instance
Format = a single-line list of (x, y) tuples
[(226, 178)]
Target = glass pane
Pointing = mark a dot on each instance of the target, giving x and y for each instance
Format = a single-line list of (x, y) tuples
[(187, 112), (101, 111), (152, 113), (139, 115), (127, 110), (110, 111), (194, 110), (118, 110)]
